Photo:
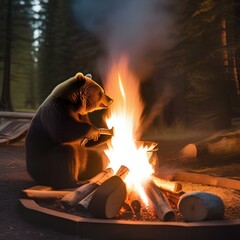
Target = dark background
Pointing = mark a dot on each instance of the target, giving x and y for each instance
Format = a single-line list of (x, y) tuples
[(193, 82)]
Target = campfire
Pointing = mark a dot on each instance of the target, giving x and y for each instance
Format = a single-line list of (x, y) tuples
[(128, 178), (129, 186)]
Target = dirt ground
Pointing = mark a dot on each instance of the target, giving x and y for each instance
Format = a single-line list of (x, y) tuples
[(14, 178)]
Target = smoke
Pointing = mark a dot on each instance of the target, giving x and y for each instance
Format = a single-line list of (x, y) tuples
[(142, 29)]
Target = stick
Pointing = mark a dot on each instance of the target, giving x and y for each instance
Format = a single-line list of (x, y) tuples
[(167, 185), (44, 194), (159, 201), (80, 193), (102, 131), (106, 131), (199, 206)]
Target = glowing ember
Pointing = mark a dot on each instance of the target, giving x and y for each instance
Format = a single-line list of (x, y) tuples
[(125, 118)]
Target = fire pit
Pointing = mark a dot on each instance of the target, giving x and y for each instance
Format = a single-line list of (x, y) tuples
[(129, 186), (65, 221)]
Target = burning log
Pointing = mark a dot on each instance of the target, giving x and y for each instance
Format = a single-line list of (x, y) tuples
[(84, 203), (122, 172), (166, 185), (173, 197), (80, 193), (136, 206), (159, 201), (108, 199), (110, 196), (199, 206)]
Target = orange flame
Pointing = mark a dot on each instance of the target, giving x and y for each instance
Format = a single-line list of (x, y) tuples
[(125, 116)]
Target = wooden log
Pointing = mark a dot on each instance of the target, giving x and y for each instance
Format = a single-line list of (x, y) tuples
[(136, 206), (18, 115), (207, 180), (108, 198), (173, 197), (122, 172), (80, 193), (166, 185), (43, 194), (159, 201), (199, 206), (223, 144), (84, 203)]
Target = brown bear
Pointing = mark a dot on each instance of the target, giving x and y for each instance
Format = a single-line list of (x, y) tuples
[(54, 154)]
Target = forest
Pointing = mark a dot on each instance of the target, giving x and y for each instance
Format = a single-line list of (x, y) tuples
[(194, 81)]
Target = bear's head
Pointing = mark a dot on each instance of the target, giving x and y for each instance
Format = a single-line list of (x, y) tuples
[(82, 94), (92, 95)]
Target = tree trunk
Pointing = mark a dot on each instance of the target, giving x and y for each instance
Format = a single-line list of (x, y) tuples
[(5, 102), (225, 110), (235, 73), (224, 43)]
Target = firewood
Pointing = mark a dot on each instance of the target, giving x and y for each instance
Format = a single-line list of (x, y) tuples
[(80, 193), (222, 144), (207, 180), (199, 206), (136, 206), (159, 201), (84, 203), (122, 172), (43, 194), (166, 185), (173, 197), (108, 198)]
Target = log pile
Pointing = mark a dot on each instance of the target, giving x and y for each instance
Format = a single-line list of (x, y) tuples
[(106, 196)]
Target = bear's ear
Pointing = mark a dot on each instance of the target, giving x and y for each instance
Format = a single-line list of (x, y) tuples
[(79, 75), (88, 75)]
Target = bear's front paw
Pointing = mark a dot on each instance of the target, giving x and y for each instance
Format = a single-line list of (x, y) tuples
[(93, 134)]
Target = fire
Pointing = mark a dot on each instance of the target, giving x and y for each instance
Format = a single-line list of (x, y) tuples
[(125, 116)]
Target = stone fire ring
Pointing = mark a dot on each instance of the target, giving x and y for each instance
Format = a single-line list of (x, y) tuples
[(123, 229)]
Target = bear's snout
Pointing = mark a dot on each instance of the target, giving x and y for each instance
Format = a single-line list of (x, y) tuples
[(106, 101)]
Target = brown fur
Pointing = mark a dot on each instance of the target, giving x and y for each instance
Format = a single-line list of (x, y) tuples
[(54, 153)]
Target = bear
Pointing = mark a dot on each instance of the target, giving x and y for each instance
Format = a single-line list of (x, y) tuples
[(55, 155)]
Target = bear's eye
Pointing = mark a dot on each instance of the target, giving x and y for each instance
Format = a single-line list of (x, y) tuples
[(100, 95)]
